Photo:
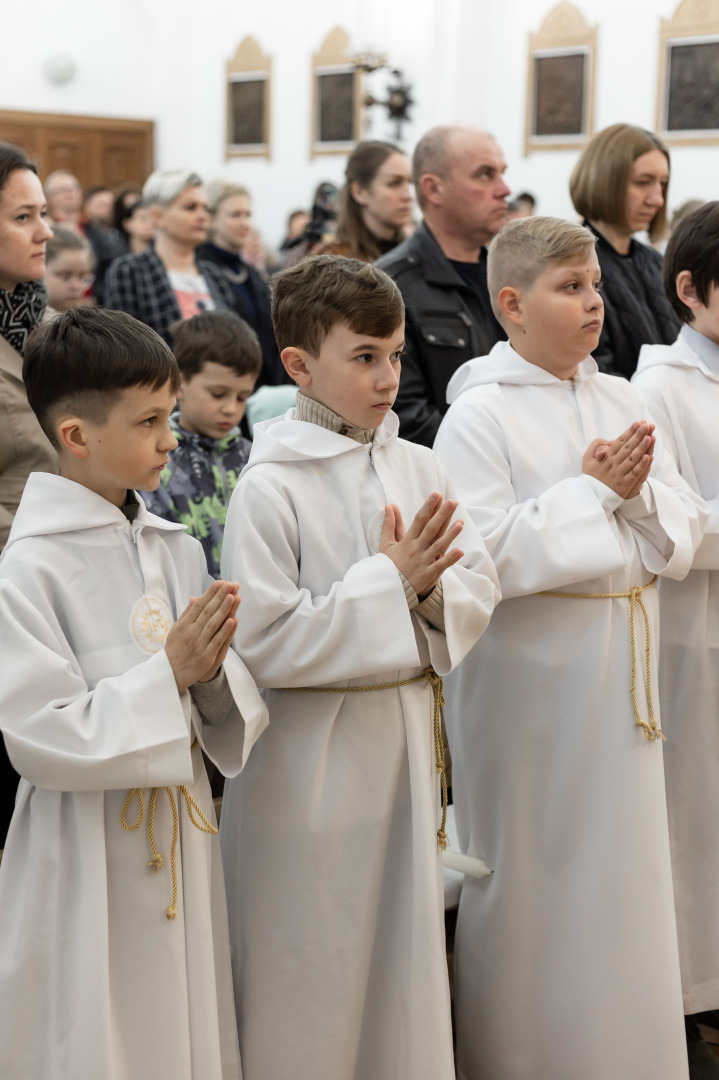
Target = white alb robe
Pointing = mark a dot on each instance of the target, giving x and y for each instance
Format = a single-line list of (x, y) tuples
[(566, 956), (95, 982), (683, 387), (329, 837)]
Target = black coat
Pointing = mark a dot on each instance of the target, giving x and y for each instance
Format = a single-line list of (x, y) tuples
[(636, 309), (273, 373), (447, 323)]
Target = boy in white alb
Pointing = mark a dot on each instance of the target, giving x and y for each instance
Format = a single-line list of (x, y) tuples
[(566, 956), (682, 382), (114, 674), (330, 840)]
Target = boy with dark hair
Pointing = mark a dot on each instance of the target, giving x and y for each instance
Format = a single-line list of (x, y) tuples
[(219, 359), (566, 960), (114, 666), (349, 622), (682, 382)]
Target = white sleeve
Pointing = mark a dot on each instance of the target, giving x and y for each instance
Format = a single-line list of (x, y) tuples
[(285, 635), (131, 730), (562, 536), (668, 518)]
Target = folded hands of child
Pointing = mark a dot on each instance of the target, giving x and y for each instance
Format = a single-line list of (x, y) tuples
[(198, 642), (421, 553), (624, 463)]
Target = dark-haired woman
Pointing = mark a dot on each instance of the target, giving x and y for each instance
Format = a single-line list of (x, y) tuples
[(24, 448), (375, 203), (619, 186)]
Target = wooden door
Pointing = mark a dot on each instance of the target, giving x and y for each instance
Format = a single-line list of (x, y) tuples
[(97, 150)]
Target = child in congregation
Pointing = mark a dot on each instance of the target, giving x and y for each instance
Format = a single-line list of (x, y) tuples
[(115, 665), (219, 359), (566, 960), (68, 270), (355, 603), (682, 383)]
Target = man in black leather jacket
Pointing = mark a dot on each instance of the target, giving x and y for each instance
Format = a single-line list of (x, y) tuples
[(441, 270)]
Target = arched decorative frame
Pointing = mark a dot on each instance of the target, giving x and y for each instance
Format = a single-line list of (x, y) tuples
[(560, 81), (249, 75), (336, 97), (688, 84)]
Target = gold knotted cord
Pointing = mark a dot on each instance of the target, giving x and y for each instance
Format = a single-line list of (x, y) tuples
[(650, 728), (437, 685), (203, 825)]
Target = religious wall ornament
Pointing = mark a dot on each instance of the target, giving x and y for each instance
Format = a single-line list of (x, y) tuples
[(560, 81), (249, 74), (688, 86), (336, 97)]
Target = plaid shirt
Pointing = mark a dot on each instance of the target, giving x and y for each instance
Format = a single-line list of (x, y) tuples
[(139, 285)]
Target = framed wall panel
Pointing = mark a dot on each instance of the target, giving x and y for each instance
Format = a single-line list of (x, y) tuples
[(688, 90), (560, 82), (249, 75), (336, 97)]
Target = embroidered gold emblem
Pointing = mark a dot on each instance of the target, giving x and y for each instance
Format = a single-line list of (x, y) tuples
[(150, 623)]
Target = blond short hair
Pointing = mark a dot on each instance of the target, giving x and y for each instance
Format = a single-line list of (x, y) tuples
[(598, 184), (163, 187), (525, 248), (219, 190)]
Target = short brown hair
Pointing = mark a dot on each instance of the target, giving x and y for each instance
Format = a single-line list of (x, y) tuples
[(310, 298), (525, 248), (693, 246), (599, 181), (82, 361), (216, 337)]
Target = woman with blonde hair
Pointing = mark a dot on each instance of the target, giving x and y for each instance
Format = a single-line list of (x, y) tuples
[(375, 203), (230, 230), (619, 186)]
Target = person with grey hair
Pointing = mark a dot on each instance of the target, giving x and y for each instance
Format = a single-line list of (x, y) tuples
[(168, 282), (441, 269)]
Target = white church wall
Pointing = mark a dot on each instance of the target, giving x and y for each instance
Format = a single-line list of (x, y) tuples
[(466, 60)]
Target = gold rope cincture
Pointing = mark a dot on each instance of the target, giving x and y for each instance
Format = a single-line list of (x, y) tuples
[(437, 685), (651, 729), (156, 862)]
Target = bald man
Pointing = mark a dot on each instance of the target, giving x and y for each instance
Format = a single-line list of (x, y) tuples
[(442, 269)]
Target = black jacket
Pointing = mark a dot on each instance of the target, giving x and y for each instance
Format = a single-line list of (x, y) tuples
[(260, 319), (636, 309), (447, 323)]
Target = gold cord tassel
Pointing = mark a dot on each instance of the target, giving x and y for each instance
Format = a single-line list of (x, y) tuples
[(650, 728), (156, 862), (437, 685)]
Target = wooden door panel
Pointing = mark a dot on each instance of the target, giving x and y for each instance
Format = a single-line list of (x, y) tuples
[(97, 150), (26, 136), (123, 158), (68, 150)]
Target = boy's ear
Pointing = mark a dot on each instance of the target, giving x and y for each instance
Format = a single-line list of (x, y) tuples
[(181, 388), (72, 437), (509, 302), (295, 362), (686, 290)]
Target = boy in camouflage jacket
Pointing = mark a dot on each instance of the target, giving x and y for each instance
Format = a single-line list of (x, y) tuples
[(219, 359)]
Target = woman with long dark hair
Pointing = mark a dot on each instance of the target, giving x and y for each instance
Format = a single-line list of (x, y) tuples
[(24, 448), (375, 203)]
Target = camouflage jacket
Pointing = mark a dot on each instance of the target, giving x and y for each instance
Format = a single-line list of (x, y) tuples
[(195, 487)]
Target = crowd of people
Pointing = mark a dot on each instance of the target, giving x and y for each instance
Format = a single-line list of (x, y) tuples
[(445, 491)]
